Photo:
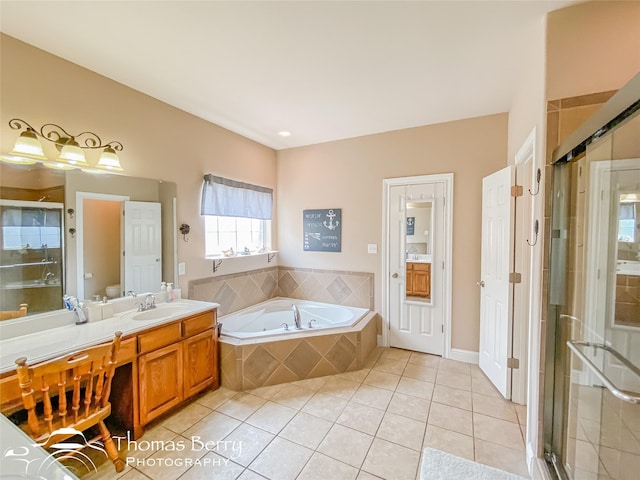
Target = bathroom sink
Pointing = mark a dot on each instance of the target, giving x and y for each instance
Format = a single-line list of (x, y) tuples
[(164, 311)]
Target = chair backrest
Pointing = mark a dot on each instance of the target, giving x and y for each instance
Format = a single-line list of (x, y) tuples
[(8, 314), (85, 376)]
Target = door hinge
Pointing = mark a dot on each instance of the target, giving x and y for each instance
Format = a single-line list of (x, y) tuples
[(516, 191), (513, 363), (442, 328), (515, 277)]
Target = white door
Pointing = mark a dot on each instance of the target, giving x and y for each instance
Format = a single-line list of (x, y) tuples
[(416, 322), (142, 255), (495, 292)]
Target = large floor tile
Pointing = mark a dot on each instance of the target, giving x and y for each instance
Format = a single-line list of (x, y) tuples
[(339, 387), (501, 457), (306, 430), (416, 388), (451, 418), (281, 460), (498, 431), (409, 406), (389, 365), (454, 380), (379, 379), (271, 417), (396, 354), (346, 445), (293, 396), (449, 441), (361, 417), (391, 461), (169, 464), (213, 427), (321, 467), (402, 431), (453, 397), (325, 406), (241, 406), (454, 366), (213, 465), (421, 372), (186, 417), (372, 396), (244, 444), (216, 398), (494, 407), (425, 359)]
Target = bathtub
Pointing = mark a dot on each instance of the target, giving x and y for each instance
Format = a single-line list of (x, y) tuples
[(266, 318)]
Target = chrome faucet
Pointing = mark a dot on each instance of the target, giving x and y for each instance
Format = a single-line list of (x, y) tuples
[(131, 294), (296, 316), (149, 303)]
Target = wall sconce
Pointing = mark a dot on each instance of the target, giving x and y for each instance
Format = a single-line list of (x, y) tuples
[(28, 148), (184, 230)]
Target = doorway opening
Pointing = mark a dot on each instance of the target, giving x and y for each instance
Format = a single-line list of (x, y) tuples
[(417, 263)]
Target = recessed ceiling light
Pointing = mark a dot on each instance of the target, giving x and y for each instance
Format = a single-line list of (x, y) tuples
[(284, 133)]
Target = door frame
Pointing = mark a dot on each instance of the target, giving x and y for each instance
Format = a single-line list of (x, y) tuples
[(387, 183), (80, 197)]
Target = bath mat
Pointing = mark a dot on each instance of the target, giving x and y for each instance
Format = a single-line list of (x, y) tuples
[(439, 465)]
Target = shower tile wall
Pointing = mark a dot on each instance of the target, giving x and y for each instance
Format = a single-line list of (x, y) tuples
[(240, 290)]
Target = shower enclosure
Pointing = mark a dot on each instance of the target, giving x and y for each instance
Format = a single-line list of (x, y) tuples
[(31, 255), (592, 375)]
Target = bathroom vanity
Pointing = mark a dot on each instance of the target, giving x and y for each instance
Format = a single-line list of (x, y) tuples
[(418, 279), (167, 355)]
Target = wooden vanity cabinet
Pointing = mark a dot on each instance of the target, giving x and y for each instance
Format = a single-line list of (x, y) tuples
[(176, 361), (418, 279), (157, 369)]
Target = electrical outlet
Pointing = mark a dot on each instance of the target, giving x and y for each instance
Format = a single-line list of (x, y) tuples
[(372, 248), (182, 268)]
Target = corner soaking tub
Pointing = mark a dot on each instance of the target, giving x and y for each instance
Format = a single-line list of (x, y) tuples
[(267, 318)]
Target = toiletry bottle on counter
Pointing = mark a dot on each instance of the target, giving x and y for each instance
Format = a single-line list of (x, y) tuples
[(169, 292), (163, 286)]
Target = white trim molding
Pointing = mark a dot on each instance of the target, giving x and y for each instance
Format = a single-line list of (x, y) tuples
[(466, 356)]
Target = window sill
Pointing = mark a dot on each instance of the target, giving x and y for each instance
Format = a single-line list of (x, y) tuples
[(242, 255)]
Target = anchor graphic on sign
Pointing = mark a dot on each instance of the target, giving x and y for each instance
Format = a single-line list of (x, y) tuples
[(331, 225)]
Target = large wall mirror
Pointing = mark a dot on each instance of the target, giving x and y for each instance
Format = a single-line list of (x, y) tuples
[(63, 232), (418, 250)]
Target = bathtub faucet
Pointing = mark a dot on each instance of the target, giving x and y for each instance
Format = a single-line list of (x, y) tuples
[(296, 316)]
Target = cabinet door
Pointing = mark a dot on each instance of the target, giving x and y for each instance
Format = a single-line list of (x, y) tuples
[(161, 381), (422, 280), (409, 278), (199, 362)]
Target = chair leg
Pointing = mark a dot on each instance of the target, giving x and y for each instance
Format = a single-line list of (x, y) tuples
[(112, 451)]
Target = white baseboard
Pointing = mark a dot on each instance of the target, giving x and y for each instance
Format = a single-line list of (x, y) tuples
[(464, 355)]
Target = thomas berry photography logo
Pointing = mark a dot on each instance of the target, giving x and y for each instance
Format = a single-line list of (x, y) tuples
[(181, 452)]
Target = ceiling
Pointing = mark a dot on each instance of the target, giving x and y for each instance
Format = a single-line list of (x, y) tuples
[(321, 70)]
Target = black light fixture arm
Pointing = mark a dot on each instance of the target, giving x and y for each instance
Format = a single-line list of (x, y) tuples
[(58, 135)]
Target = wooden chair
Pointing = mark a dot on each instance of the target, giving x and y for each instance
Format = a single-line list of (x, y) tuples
[(81, 379), (8, 314)]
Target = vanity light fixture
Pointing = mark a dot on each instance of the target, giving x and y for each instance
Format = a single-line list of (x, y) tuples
[(28, 148)]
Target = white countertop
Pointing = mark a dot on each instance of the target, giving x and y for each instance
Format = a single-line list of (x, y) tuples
[(53, 342), (418, 258)]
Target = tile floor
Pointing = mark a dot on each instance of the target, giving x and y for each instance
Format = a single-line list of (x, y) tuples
[(368, 424)]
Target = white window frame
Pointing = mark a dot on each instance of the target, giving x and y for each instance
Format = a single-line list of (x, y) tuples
[(213, 247)]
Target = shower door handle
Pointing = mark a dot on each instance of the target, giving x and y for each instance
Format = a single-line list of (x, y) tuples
[(615, 391)]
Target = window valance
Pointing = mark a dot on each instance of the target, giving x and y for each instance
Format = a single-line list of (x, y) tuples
[(229, 198)]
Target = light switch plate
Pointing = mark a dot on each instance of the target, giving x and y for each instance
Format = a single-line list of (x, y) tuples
[(372, 248), (182, 269)]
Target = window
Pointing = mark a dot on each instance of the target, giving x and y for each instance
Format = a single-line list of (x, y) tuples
[(627, 223), (224, 233), (24, 227), (237, 216)]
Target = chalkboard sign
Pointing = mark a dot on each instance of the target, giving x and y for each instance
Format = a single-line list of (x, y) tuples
[(322, 230), (411, 225)]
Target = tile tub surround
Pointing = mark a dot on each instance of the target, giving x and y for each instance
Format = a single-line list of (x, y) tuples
[(240, 290), (251, 363)]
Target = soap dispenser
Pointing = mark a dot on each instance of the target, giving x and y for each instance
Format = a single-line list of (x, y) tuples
[(169, 292)]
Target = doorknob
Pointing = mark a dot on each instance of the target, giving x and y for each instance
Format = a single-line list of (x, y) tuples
[(480, 283), (395, 275)]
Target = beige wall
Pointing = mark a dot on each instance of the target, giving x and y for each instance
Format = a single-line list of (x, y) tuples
[(101, 234), (348, 174), (592, 47), (159, 140)]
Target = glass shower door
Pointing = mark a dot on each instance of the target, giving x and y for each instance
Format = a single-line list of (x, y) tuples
[(595, 303)]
